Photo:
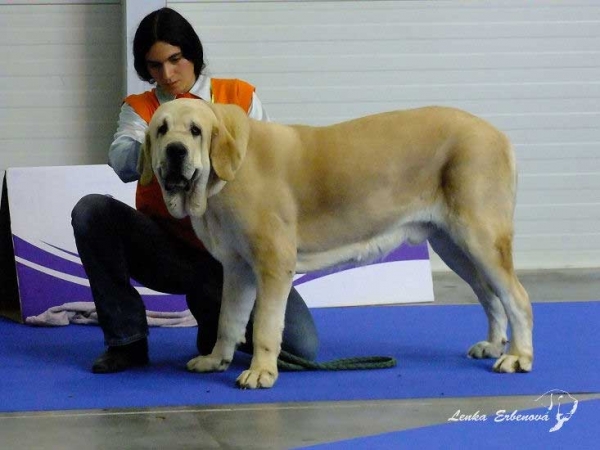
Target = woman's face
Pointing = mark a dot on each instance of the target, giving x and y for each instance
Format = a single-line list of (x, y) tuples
[(171, 71)]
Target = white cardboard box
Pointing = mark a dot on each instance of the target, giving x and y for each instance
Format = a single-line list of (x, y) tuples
[(40, 267)]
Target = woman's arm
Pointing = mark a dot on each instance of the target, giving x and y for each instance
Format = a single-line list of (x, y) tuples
[(124, 151)]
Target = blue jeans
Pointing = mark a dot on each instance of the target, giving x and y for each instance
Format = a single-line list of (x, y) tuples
[(117, 243)]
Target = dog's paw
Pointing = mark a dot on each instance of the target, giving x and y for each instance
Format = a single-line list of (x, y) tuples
[(254, 379), (513, 363), (486, 349), (207, 364)]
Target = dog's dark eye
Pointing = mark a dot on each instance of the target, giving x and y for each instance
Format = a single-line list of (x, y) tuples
[(195, 130), (162, 129)]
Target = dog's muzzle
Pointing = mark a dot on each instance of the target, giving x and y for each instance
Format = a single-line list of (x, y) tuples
[(173, 173)]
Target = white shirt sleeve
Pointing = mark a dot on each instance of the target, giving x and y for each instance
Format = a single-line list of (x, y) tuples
[(124, 151), (257, 110)]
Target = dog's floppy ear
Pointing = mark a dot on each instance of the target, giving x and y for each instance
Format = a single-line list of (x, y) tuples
[(229, 140), (144, 165)]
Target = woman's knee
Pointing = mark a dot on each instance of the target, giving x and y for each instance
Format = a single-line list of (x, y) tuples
[(304, 345), (89, 211), (300, 335)]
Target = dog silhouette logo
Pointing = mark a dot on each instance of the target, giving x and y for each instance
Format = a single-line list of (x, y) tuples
[(559, 401)]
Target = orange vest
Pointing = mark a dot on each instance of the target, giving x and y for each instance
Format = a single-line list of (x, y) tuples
[(149, 198)]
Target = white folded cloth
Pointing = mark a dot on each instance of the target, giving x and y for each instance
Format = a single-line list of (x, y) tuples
[(85, 313)]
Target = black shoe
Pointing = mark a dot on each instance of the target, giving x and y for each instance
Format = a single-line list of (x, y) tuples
[(123, 357)]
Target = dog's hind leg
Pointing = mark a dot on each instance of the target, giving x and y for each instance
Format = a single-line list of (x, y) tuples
[(239, 293), (491, 252), (478, 188), (459, 262)]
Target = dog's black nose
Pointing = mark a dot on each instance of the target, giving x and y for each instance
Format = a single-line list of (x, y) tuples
[(176, 152), (172, 173)]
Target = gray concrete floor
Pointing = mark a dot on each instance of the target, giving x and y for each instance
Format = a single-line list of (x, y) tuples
[(281, 426)]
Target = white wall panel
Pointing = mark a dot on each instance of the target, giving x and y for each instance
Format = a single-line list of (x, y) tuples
[(60, 81), (531, 68), (134, 11)]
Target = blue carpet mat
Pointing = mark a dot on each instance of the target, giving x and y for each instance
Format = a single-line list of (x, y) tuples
[(581, 432), (49, 368)]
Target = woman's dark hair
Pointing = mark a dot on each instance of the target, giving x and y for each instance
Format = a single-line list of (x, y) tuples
[(166, 25)]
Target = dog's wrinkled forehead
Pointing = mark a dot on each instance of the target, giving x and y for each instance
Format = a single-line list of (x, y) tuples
[(181, 119)]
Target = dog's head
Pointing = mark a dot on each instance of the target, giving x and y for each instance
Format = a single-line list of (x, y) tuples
[(193, 147)]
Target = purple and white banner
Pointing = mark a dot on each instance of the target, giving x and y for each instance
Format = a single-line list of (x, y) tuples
[(50, 272)]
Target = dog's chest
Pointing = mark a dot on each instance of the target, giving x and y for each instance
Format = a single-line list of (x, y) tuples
[(216, 235), (205, 229)]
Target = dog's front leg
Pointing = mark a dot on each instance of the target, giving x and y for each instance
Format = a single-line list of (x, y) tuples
[(239, 293), (274, 261), (269, 317)]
